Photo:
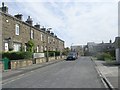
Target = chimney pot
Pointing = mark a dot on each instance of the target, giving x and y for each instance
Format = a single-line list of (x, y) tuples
[(4, 8), (2, 4), (37, 26), (29, 20), (18, 16), (44, 29)]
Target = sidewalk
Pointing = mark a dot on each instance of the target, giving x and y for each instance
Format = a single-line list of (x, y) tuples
[(109, 72), (11, 73)]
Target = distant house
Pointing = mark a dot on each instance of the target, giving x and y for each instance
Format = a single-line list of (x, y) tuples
[(78, 49), (94, 48)]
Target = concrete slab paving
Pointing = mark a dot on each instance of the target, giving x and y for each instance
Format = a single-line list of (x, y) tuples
[(109, 71)]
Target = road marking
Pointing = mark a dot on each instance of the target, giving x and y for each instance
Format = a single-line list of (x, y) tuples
[(21, 75), (15, 78), (104, 83)]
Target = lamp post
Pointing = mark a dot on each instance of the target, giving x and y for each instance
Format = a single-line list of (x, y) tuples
[(47, 54), (71, 46)]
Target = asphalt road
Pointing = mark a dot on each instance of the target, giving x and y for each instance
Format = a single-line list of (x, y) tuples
[(80, 73)]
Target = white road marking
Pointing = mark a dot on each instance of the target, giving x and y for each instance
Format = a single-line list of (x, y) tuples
[(16, 78)]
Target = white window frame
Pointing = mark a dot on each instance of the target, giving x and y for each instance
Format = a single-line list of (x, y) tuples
[(37, 48), (6, 47), (41, 48), (41, 37), (17, 46), (31, 34), (48, 39), (45, 48), (25, 48), (17, 29)]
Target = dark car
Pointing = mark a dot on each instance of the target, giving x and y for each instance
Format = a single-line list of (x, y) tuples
[(72, 56)]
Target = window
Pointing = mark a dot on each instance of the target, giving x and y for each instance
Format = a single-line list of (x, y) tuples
[(48, 39), (37, 48), (45, 48), (41, 37), (17, 29), (25, 48), (31, 34), (6, 47), (41, 48), (17, 46)]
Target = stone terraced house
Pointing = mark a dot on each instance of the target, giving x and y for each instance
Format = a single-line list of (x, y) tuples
[(16, 33)]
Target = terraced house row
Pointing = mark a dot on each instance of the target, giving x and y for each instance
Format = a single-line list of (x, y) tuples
[(16, 33)]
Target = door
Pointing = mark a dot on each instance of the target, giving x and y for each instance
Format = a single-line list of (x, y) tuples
[(6, 47)]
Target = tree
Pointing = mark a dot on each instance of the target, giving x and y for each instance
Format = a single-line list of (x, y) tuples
[(30, 45), (66, 51)]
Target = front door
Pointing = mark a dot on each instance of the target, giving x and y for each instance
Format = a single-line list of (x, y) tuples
[(6, 46)]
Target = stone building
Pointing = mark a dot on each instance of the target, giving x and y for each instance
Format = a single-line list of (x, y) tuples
[(94, 48), (16, 33), (78, 49)]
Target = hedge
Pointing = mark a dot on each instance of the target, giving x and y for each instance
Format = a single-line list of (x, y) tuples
[(52, 53), (104, 56), (17, 55)]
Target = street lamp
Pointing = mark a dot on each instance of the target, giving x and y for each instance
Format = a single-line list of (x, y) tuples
[(71, 46), (47, 56)]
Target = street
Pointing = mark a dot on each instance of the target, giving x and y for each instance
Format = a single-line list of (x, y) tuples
[(80, 73)]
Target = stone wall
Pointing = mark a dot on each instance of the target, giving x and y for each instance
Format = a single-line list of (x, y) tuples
[(20, 63), (15, 64)]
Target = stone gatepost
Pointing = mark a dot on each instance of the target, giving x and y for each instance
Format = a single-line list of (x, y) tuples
[(117, 45)]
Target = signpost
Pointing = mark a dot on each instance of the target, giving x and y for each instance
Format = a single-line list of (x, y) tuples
[(38, 55)]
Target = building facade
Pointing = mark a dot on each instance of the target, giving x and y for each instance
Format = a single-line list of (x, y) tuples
[(16, 33), (78, 49), (94, 48)]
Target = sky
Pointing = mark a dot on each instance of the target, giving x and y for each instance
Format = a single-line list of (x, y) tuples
[(74, 21)]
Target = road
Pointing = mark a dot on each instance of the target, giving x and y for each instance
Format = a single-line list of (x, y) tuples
[(80, 73)]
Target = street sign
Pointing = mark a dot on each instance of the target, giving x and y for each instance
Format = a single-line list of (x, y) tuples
[(38, 55)]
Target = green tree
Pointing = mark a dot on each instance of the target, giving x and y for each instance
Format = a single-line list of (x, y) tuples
[(66, 51), (30, 45)]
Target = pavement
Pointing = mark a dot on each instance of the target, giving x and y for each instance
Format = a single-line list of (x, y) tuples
[(11, 73), (109, 72)]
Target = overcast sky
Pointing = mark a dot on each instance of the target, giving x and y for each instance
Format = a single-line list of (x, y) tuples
[(74, 21)]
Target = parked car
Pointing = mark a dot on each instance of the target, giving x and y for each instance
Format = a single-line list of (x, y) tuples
[(72, 56)]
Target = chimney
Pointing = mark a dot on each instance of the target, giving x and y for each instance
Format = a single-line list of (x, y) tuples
[(56, 36), (29, 21), (44, 29), (110, 41), (4, 8), (48, 31), (37, 26), (18, 16), (52, 33)]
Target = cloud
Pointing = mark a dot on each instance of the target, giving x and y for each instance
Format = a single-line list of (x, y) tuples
[(75, 22)]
